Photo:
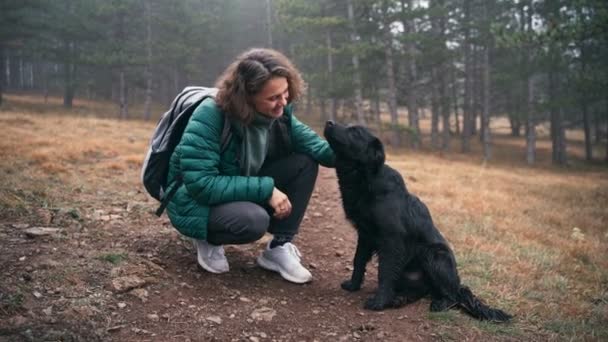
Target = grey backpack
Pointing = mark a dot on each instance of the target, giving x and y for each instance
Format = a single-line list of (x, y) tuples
[(167, 134)]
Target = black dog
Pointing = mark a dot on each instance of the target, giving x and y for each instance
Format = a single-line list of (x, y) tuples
[(414, 258)]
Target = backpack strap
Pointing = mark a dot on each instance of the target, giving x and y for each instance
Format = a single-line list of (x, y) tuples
[(179, 180)]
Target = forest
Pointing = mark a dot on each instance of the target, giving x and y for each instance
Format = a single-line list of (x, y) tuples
[(459, 63)]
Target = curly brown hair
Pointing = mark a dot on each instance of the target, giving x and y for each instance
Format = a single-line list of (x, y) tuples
[(246, 77)]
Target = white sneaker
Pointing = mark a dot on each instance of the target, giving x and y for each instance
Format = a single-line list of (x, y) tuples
[(211, 257), (285, 259)]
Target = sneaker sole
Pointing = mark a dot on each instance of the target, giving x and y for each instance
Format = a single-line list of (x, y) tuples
[(272, 266)]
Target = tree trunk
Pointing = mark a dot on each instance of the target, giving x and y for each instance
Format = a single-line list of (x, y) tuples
[(21, 72), (557, 129), (269, 22), (333, 105), (444, 96), (466, 107), (477, 91), (148, 70), (587, 128), (2, 74), (308, 101), (530, 124), (392, 90), (598, 122), (124, 109), (485, 118), (68, 74), (412, 96), (322, 108), (455, 100), (526, 26), (355, 61), (597, 127), (445, 112), (376, 109), (435, 105)]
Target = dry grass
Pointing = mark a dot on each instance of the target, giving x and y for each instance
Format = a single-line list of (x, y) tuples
[(532, 240)]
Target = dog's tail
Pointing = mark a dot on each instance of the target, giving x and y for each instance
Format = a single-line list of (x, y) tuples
[(479, 310)]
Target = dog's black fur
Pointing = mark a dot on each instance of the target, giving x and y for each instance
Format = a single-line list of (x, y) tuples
[(414, 258)]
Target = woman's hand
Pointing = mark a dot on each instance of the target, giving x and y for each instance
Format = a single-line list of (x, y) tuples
[(280, 203)]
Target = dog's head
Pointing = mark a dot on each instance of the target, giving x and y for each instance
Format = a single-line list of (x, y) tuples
[(355, 144)]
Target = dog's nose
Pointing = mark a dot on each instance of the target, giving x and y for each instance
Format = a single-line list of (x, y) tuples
[(329, 123)]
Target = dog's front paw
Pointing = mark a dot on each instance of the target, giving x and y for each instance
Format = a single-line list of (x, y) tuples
[(351, 286), (377, 303)]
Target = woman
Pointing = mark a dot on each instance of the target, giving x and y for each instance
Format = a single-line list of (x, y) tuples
[(262, 181)]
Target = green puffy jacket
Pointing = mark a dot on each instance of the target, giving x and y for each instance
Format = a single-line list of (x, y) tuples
[(211, 178)]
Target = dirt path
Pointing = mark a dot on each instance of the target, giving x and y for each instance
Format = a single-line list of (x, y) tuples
[(115, 272)]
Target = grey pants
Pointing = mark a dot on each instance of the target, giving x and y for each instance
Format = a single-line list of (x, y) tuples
[(245, 222)]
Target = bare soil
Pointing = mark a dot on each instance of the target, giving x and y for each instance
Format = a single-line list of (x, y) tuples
[(114, 271)]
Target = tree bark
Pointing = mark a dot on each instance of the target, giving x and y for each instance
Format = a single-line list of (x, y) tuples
[(468, 89), (2, 73), (148, 70), (412, 96), (269, 22), (333, 104), (435, 105), (355, 60), (68, 74), (124, 109), (587, 129), (485, 118), (530, 122), (455, 100), (444, 97), (392, 89)]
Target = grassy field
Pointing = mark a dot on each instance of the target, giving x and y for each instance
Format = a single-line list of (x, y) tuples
[(532, 239)]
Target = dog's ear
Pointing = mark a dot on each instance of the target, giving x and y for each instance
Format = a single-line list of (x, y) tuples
[(376, 150)]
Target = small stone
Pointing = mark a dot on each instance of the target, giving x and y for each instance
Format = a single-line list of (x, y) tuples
[(48, 311), (22, 258), (245, 299), (37, 294), (214, 319), (313, 266), (263, 314), (254, 339), (124, 284), (153, 317), (339, 253), (122, 305), (40, 231), (140, 293)]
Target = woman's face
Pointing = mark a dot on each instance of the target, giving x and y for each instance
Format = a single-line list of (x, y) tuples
[(273, 98)]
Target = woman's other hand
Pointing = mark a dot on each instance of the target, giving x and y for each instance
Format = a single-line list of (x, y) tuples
[(280, 203)]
